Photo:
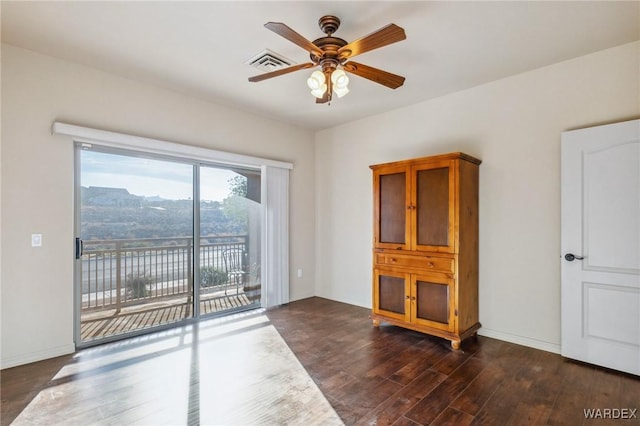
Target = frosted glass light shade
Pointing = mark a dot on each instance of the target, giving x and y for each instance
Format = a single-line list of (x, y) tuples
[(319, 92), (316, 83), (340, 91), (316, 80), (339, 79)]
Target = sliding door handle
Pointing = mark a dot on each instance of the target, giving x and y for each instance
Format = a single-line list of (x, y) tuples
[(79, 248)]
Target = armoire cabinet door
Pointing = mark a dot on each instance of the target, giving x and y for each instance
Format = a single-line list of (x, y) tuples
[(434, 211), (434, 301), (392, 217), (391, 294)]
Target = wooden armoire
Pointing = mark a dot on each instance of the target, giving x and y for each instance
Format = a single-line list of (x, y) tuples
[(425, 252)]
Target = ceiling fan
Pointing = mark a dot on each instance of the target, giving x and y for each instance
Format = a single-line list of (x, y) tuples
[(333, 54)]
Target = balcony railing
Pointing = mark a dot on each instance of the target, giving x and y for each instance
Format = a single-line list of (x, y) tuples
[(119, 273)]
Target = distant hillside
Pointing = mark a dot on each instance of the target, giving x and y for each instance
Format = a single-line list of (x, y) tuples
[(114, 213)]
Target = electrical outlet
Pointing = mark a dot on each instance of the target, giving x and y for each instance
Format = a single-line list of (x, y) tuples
[(300, 273), (36, 240)]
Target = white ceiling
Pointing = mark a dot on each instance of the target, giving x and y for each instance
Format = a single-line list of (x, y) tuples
[(200, 48)]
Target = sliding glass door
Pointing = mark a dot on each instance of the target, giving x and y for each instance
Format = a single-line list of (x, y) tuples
[(148, 228)]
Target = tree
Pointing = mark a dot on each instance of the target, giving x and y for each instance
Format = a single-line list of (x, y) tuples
[(236, 212), (235, 205), (238, 186)]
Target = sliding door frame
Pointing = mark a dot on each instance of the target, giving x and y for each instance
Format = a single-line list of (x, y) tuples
[(195, 233)]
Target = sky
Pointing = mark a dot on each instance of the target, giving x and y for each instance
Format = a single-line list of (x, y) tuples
[(146, 177)]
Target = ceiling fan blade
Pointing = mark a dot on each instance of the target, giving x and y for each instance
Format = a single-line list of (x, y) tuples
[(383, 37), (385, 78), (286, 32), (281, 71)]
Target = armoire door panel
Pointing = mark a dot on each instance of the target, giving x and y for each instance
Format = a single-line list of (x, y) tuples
[(391, 295), (434, 305), (433, 211), (432, 301), (393, 212), (434, 206), (392, 215)]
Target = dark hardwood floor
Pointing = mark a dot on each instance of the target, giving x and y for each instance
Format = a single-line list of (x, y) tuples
[(389, 375)]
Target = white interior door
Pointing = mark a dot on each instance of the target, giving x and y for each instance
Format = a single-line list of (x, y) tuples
[(601, 245)]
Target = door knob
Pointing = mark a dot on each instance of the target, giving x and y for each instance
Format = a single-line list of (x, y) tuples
[(571, 257)]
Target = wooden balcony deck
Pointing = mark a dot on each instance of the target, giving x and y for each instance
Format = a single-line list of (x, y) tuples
[(102, 323)]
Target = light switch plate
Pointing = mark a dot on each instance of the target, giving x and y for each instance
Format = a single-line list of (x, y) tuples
[(36, 240)]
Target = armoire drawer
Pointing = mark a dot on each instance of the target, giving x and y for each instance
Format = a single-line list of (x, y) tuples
[(422, 262)]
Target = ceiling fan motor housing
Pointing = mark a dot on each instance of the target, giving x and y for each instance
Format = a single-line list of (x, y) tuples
[(329, 47)]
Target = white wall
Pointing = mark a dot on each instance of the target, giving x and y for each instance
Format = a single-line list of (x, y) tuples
[(37, 181), (514, 126)]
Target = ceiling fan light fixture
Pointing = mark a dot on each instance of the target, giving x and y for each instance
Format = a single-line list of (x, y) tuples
[(339, 79), (339, 82), (340, 91), (320, 91), (316, 80)]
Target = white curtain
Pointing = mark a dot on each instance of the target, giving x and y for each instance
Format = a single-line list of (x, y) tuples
[(275, 253)]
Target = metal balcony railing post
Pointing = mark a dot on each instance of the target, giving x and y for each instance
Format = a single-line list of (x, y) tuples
[(189, 275), (118, 275)]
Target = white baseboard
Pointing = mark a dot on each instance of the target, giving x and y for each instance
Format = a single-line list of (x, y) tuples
[(520, 340), (14, 361)]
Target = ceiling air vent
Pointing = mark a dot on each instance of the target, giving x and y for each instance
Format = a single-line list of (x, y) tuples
[(268, 60)]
